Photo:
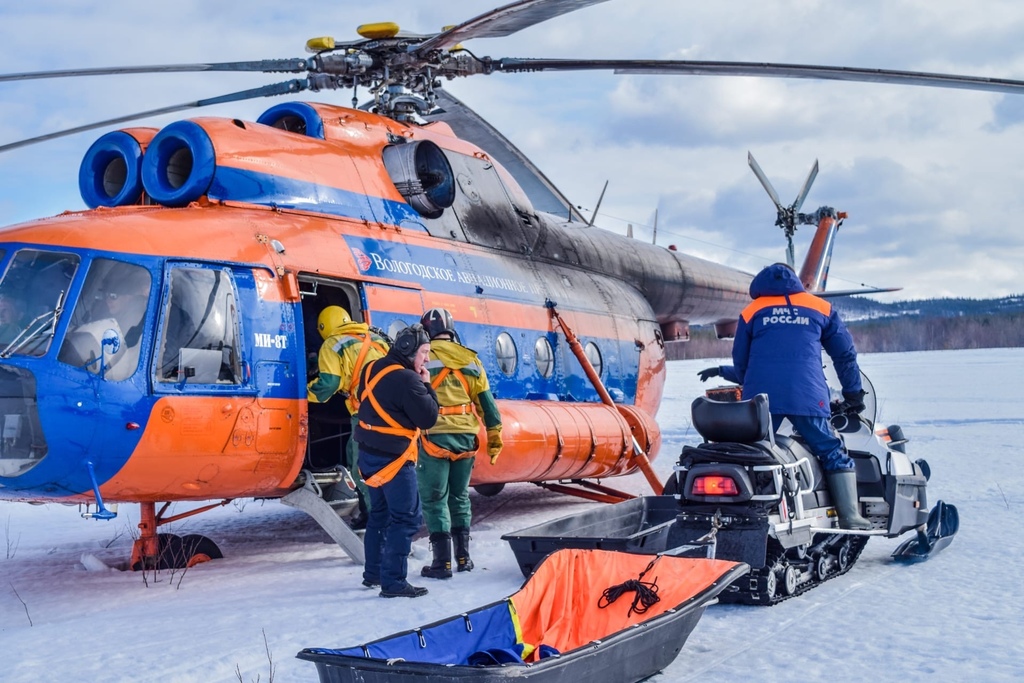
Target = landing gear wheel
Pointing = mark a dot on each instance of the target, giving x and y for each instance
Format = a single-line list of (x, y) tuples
[(489, 490), (197, 549), (821, 567), (789, 580)]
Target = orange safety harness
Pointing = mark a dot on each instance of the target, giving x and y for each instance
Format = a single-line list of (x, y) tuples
[(352, 401), (429, 447), (388, 472)]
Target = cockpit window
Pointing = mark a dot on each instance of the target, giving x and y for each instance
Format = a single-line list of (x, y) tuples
[(199, 341), (108, 319), (32, 295)]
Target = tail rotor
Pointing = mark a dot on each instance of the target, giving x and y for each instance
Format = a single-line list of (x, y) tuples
[(788, 217)]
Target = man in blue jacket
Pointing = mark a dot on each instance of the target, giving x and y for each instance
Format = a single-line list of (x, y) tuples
[(777, 351)]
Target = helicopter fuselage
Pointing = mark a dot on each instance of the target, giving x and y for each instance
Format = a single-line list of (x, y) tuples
[(244, 232)]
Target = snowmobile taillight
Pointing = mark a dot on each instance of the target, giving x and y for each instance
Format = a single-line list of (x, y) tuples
[(714, 485)]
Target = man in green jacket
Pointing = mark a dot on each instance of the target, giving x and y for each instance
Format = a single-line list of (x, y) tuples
[(448, 449), (348, 346)]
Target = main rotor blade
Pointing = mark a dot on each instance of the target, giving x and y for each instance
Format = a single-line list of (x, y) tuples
[(284, 88), (765, 69), (502, 21), (263, 66), (802, 195), (765, 183)]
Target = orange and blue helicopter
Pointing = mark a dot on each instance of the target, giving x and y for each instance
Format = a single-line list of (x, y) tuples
[(155, 347)]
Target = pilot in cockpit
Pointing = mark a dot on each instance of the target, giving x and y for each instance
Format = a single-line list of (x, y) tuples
[(123, 298), (118, 304)]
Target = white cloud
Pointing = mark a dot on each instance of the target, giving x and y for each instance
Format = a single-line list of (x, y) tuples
[(930, 177)]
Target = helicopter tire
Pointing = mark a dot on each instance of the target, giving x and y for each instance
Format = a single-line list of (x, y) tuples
[(489, 490), (197, 549), (182, 552)]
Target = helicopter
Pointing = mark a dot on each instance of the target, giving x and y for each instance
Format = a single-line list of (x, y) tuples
[(169, 364)]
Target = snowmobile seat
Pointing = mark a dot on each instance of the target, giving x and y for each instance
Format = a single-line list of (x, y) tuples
[(733, 421), (735, 431)]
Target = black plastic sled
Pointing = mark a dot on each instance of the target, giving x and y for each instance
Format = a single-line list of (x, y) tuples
[(564, 625), (638, 525)]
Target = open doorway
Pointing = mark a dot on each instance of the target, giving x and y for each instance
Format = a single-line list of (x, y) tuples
[(329, 424)]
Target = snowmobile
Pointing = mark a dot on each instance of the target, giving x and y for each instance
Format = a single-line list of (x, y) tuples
[(760, 497)]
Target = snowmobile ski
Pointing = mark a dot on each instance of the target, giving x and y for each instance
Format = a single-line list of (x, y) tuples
[(943, 523)]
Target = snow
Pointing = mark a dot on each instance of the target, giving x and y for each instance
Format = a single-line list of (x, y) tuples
[(68, 611)]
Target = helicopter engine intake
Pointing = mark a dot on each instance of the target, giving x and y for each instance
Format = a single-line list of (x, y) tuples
[(111, 170), (179, 167)]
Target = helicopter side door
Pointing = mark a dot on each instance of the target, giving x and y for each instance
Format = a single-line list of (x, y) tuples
[(225, 373)]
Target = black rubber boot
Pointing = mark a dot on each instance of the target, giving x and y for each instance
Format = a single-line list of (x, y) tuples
[(405, 591), (843, 485), (461, 537), (441, 567)]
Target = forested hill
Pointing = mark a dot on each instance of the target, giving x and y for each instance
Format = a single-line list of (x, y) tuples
[(853, 308), (923, 325)]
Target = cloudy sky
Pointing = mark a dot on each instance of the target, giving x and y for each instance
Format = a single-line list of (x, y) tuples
[(931, 178)]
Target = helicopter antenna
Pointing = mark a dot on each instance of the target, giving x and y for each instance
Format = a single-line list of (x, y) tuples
[(593, 216), (654, 237), (788, 217)]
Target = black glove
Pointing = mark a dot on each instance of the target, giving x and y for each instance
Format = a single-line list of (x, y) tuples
[(853, 402), (708, 373)]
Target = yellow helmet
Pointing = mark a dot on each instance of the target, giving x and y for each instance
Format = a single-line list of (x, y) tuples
[(331, 318)]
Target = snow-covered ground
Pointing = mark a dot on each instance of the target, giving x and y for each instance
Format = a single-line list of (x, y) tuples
[(67, 614)]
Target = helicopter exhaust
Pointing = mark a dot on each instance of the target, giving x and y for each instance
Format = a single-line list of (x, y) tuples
[(111, 170)]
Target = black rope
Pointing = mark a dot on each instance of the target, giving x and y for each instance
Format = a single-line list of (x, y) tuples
[(646, 592)]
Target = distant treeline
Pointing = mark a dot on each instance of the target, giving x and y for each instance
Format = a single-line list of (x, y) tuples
[(891, 334)]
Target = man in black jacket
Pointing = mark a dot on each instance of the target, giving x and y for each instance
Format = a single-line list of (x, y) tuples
[(396, 401)]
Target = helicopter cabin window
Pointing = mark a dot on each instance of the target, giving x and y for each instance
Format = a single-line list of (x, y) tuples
[(105, 333), (594, 356), (544, 356), (505, 351), (395, 327), (199, 338), (32, 295)]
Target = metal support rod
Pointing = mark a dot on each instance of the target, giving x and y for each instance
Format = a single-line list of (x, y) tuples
[(639, 455), (583, 493), (190, 513)]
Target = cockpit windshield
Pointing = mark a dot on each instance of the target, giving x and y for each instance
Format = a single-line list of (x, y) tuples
[(32, 294)]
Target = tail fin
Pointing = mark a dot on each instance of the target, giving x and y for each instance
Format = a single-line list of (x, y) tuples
[(814, 272)]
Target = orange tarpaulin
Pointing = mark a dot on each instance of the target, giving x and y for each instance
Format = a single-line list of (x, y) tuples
[(559, 605)]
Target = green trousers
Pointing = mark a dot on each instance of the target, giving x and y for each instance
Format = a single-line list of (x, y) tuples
[(444, 492), (352, 462)]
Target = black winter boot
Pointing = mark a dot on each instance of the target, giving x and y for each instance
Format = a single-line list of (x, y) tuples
[(404, 591), (843, 485), (441, 567), (461, 537)]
